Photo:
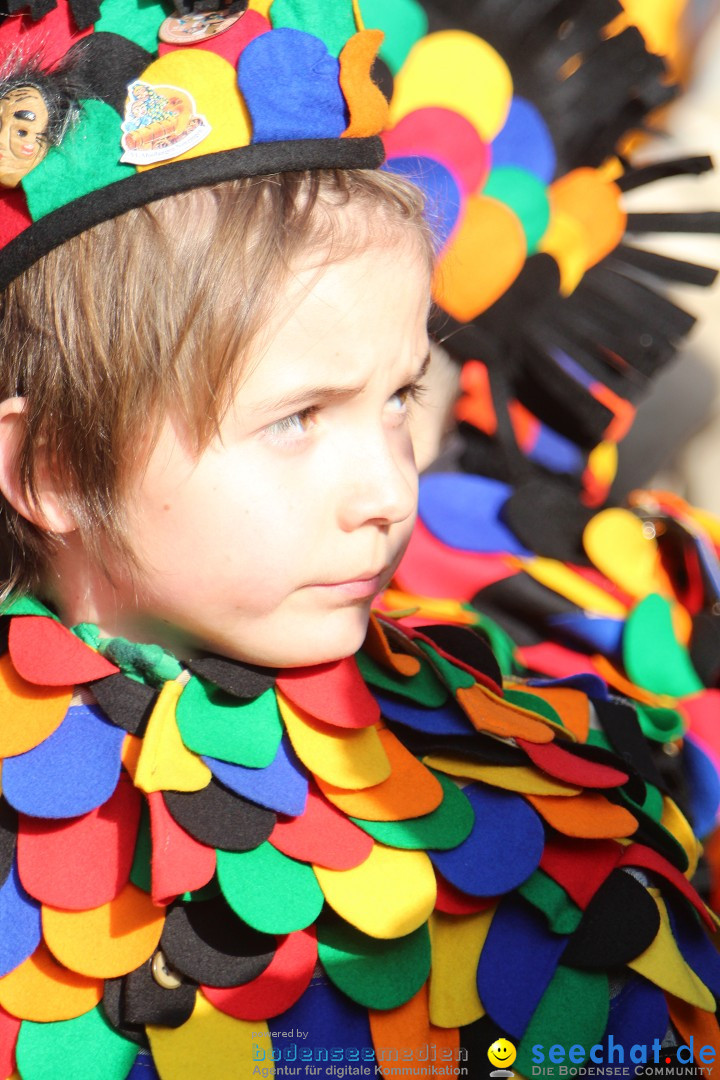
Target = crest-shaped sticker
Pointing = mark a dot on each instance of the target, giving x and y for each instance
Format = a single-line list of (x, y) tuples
[(160, 123)]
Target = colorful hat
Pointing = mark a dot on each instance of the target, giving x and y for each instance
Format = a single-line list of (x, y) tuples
[(107, 109), (496, 114)]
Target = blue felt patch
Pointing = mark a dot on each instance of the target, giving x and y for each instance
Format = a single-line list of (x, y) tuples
[(555, 452), (638, 1014), (503, 849), (597, 633), (448, 719), (291, 87), (143, 1069), (331, 1022), (703, 787), (282, 786), (695, 945), (443, 198), (464, 512), (709, 563), (517, 964), (525, 142), (72, 772), (20, 923), (591, 685)]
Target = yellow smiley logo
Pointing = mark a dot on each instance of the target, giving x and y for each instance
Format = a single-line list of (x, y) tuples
[(502, 1053)]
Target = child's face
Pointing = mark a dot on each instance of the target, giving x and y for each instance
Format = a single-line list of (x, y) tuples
[(271, 545)]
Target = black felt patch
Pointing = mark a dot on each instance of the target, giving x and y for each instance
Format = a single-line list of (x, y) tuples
[(622, 728), (241, 680), (221, 819), (125, 702), (473, 747), (104, 64), (705, 647), (619, 923), (8, 838), (111, 1005), (548, 518), (467, 646), (523, 598), (257, 159), (649, 832), (209, 943), (144, 1001), (382, 76)]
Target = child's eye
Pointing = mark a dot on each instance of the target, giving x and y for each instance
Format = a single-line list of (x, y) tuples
[(406, 395), (293, 426)]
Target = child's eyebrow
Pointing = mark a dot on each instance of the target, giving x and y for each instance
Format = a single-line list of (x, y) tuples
[(297, 399)]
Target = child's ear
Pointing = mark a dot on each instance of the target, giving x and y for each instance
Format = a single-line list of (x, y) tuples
[(47, 511)]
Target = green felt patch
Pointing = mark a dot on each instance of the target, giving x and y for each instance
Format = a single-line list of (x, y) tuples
[(441, 830), (527, 198), (140, 872), (403, 22), (208, 892), (333, 23), (26, 605), (87, 159), (74, 1048), (660, 725), (499, 641), (219, 725), (546, 895), (572, 1011), (139, 22), (599, 738), (377, 973), (533, 703), (425, 688), (652, 655), (271, 892), (454, 677)]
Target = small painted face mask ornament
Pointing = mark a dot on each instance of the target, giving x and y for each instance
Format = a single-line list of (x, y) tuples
[(24, 123)]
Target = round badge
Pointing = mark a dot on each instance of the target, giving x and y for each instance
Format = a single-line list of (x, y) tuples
[(188, 29)]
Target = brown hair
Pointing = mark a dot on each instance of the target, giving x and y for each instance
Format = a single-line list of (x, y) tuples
[(152, 312)]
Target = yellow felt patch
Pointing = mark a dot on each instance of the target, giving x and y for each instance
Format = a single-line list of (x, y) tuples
[(261, 6), (466, 282), (165, 763), (28, 714), (389, 895), (211, 1045), (594, 202), (456, 943), (561, 579), (603, 462), (588, 815), (488, 712), (455, 70), (212, 81), (566, 241), (663, 964), (520, 778), (411, 790), (616, 543), (676, 823), (366, 103), (105, 941), (410, 1030), (41, 990), (343, 757)]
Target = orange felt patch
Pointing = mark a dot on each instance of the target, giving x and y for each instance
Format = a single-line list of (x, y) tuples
[(408, 1029), (594, 203), (41, 990), (572, 706), (411, 790), (28, 714), (487, 712), (468, 279), (379, 649), (697, 1027), (366, 103), (130, 753), (607, 671), (105, 941), (589, 815)]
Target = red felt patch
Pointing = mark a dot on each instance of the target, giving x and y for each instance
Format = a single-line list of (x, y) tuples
[(9, 1028), (322, 835), (14, 214), (281, 984), (431, 568), (81, 862), (702, 712), (454, 902), (557, 762), (446, 137), (555, 660), (580, 866), (179, 862), (45, 653), (48, 39), (644, 857), (229, 44), (334, 693)]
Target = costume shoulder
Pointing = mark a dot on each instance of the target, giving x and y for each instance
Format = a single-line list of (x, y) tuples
[(403, 852)]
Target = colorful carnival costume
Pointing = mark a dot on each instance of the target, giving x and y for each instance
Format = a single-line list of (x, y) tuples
[(393, 853)]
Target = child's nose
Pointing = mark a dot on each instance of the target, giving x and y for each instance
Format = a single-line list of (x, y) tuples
[(382, 488)]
